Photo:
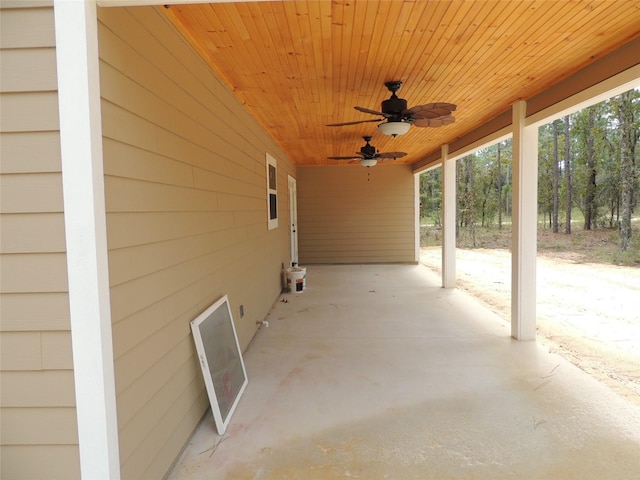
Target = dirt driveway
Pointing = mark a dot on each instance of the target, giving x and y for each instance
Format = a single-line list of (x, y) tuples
[(590, 313)]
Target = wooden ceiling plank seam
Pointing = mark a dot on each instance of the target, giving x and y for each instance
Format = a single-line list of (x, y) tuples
[(425, 22), (411, 42), (220, 25), (461, 79), (363, 71), (194, 17), (249, 87), (324, 64), (276, 62), (375, 87), (343, 14), (415, 90), (355, 27), (530, 33), (312, 77), (316, 63), (361, 80), (269, 66), (324, 15), (234, 14), (192, 36), (504, 66), (450, 64), (420, 93), (441, 50), (400, 39), (379, 74), (281, 36), (395, 44), (587, 39), (411, 58), (436, 18), (486, 55), (436, 91), (274, 66), (306, 107), (572, 17)]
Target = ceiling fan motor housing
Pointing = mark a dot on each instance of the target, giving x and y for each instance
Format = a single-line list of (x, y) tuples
[(394, 105), (369, 151)]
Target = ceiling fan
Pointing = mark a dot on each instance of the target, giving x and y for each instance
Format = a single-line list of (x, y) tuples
[(399, 118), (368, 155)]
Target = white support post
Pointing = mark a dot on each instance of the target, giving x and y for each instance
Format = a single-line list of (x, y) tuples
[(86, 239), (525, 223), (448, 219), (416, 207)]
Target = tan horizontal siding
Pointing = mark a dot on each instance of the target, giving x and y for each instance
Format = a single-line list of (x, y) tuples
[(33, 272), (181, 428), (23, 426), (352, 215), (150, 460), (135, 163), (185, 193), (28, 312), (52, 462), (32, 111), (29, 152), (39, 73), (162, 226), (38, 350), (39, 427), (127, 195), (23, 233), (164, 256), (134, 397), (31, 193), (177, 382), (26, 27), (37, 388)]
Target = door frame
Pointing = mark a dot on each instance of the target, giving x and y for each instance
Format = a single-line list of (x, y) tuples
[(293, 219)]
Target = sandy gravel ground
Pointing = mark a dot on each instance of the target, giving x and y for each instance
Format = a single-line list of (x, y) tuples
[(590, 313)]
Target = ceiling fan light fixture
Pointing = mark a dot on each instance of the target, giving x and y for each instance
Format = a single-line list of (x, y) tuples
[(394, 128), (368, 162)]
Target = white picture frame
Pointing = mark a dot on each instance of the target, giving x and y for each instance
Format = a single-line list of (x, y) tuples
[(220, 359)]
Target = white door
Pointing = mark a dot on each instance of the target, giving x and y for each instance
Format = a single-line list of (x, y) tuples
[(293, 222)]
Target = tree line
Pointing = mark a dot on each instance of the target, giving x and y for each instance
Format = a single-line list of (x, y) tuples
[(587, 162)]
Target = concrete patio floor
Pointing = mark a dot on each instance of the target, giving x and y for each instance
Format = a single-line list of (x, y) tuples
[(376, 372)]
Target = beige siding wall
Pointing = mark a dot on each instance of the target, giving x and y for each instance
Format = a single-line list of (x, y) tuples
[(186, 204), (39, 429), (356, 215)]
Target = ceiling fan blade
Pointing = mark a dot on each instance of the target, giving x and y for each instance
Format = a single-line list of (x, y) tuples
[(345, 158), (434, 122), (351, 123), (391, 155), (368, 110), (430, 110)]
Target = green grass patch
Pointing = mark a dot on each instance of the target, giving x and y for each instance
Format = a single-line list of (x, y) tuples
[(601, 245)]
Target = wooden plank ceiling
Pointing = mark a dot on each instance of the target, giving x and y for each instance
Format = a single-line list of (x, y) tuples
[(300, 65)]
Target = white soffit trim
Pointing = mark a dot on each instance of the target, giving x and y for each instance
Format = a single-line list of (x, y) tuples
[(620, 83), (499, 136), (86, 237)]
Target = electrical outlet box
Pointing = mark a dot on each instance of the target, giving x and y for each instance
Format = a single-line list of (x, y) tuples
[(241, 311)]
